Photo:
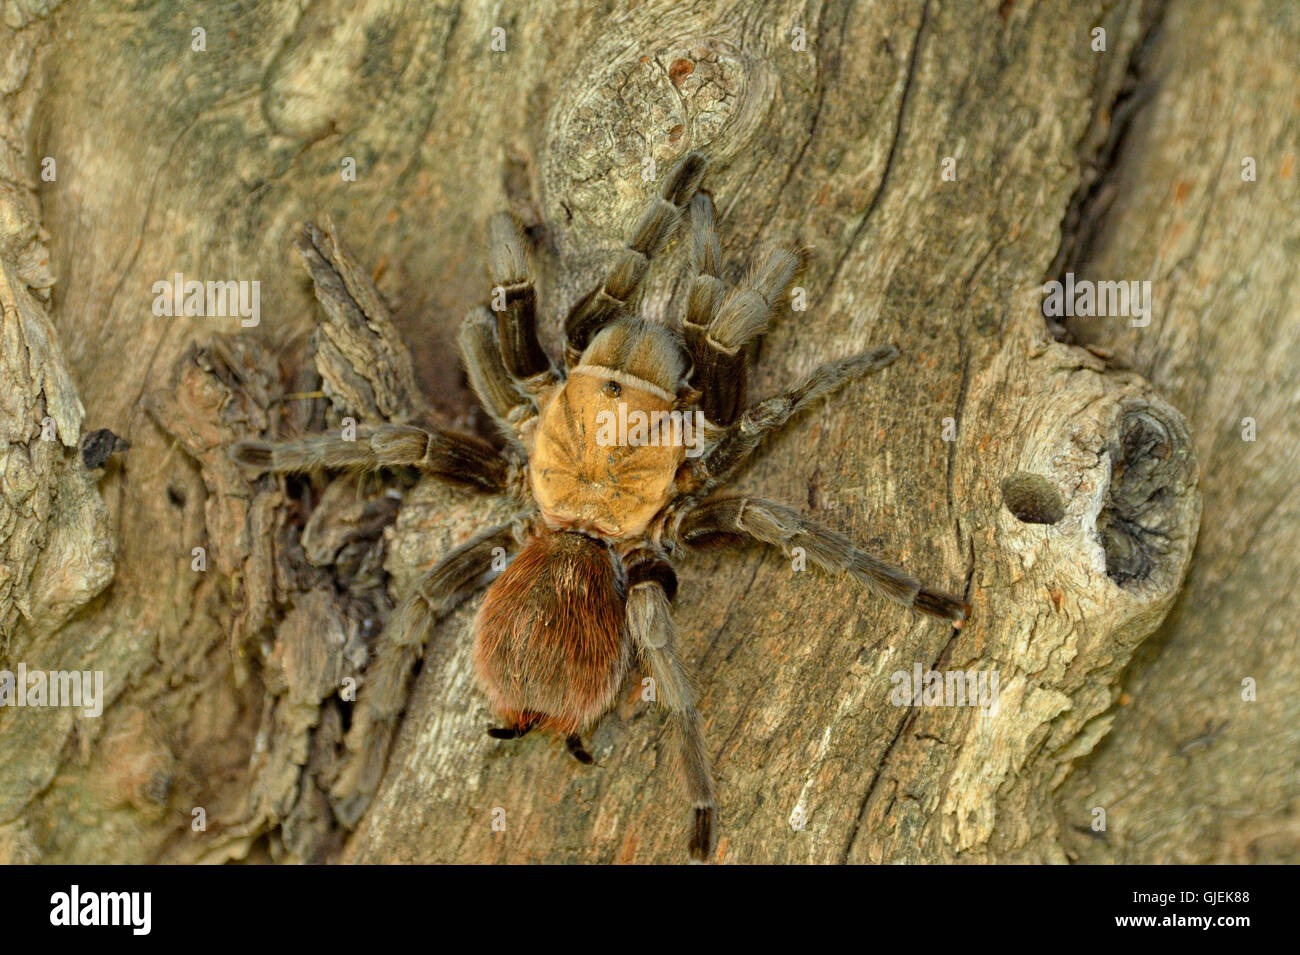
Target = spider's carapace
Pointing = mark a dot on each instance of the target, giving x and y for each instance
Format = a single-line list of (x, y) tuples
[(587, 475)]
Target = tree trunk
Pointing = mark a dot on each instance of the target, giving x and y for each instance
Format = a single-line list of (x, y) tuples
[(941, 160)]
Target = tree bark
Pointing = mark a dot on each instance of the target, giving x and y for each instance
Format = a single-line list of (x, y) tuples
[(941, 160)]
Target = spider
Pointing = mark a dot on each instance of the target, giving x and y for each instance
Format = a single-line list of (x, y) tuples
[(601, 514)]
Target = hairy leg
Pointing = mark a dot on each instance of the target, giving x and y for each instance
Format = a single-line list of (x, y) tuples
[(514, 299), (623, 281), (383, 694), (720, 323), (510, 402), (782, 527), (650, 622), (737, 443), (719, 375), (448, 454)]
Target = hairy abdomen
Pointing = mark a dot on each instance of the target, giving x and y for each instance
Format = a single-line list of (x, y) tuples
[(549, 642)]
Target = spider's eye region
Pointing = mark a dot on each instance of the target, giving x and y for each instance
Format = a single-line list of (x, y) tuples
[(612, 388)]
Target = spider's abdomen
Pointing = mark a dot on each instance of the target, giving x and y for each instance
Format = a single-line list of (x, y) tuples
[(606, 453), (550, 647)]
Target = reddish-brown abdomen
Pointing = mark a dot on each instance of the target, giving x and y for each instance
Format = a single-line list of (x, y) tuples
[(549, 639)]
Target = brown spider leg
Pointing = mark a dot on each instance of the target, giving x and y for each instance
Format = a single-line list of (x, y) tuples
[(574, 745), (649, 620), (721, 323), (622, 282), (379, 705), (782, 527), (514, 299), (734, 446), (719, 376), (455, 457), (503, 397)]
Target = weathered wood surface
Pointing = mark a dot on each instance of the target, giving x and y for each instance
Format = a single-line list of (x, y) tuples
[(1122, 164)]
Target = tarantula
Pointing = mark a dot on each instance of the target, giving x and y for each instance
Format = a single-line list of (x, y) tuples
[(602, 515)]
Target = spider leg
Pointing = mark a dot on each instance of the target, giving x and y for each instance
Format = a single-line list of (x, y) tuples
[(624, 278), (514, 298), (448, 454), (782, 527), (383, 694), (737, 442), (649, 619), (510, 402), (720, 322), (719, 376)]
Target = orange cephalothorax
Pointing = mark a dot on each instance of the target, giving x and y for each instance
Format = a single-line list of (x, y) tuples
[(609, 442), (550, 647)]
